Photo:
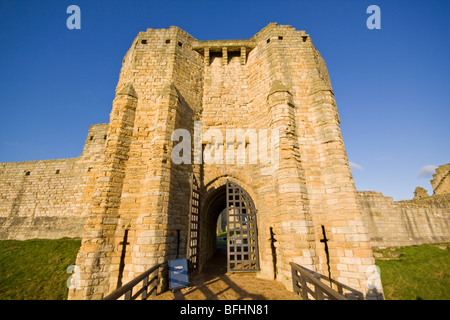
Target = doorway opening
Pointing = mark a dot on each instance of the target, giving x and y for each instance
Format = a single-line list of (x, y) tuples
[(232, 229), (221, 229)]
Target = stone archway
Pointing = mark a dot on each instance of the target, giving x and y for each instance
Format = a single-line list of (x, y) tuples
[(242, 238)]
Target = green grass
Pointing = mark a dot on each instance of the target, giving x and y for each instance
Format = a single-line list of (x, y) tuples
[(220, 242), (416, 272), (36, 269)]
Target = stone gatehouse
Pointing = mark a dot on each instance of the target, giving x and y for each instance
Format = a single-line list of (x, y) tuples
[(127, 188), (275, 80)]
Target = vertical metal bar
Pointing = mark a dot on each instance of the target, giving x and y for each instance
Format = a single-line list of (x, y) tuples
[(194, 225), (196, 221), (188, 246)]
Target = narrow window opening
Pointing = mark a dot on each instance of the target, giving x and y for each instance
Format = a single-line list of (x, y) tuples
[(280, 38), (57, 171), (27, 173), (124, 244), (268, 40), (180, 44), (168, 41), (327, 253), (144, 41), (304, 38), (274, 252), (104, 137), (91, 138)]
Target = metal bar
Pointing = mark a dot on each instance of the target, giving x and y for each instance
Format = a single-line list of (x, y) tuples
[(194, 226), (188, 253)]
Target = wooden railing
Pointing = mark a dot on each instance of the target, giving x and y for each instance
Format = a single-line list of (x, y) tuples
[(301, 279), (149, 286)]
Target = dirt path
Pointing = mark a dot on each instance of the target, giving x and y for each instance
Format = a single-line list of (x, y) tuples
[(214, 284)]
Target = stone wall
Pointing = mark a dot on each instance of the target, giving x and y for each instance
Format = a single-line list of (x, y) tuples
[(49, 199), (441, 179), (404, 223)]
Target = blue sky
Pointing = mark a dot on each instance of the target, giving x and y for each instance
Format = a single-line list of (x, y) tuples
[(391, 85)]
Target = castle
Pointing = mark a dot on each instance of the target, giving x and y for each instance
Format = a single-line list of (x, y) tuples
[(126, 188)]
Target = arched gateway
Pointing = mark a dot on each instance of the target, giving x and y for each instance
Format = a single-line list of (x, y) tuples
[(234, 202), (241, 226), (242, 231), (197, 127)]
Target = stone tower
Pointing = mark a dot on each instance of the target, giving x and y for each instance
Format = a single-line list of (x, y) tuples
[(277, 80)]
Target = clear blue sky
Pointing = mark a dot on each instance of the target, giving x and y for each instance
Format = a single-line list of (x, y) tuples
[(391, 85)]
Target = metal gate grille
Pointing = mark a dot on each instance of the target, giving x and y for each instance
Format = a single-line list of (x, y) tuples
[(242, 238), (194, 223)]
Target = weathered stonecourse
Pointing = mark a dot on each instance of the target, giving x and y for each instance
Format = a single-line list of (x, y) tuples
[(50, 199), (423, 219)]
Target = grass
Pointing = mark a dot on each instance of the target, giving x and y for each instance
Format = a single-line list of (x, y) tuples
[(36, 269), (416, 272), (220, 240)]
